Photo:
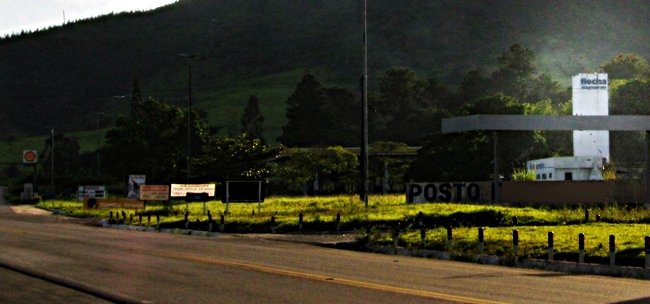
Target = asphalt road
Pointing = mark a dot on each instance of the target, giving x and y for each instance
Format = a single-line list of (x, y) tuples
[(51, 259)]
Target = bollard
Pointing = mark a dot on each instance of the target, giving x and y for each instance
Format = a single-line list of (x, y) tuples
[(450, 237), (338, 221), (149, 220), (586, 215), (550, 245), (612, 250), (110, 216), (253, 213), (396, 235), (423, 236), (647, 252), (515, 243), (140, 218), (209, 221), (223, 223), (124, 216), (581, 248), (300, 216), (158, 222), (131, 219), (420, 218), (515, 221), (481, 239), (187, 220), (272, 223)]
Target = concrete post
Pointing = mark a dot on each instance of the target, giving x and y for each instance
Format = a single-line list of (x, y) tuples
[(450, 238), (612, 250), (223, 223), (300, 217), (550, 245), (515, 243), (481, 240), (338, 221), (423, 236), (647, 252), (581, 248)]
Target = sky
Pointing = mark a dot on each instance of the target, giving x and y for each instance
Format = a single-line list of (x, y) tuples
[(18, 15)]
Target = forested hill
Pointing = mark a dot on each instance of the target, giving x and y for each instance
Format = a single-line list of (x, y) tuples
[(62, 77)]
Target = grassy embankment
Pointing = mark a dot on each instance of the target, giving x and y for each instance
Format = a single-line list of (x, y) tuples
[(385, 212)]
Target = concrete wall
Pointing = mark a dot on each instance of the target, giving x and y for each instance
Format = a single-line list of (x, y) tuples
[(576, 192)]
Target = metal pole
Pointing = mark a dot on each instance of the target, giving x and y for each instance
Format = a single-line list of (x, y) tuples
[(497, 187), (189, 112), (364, 148), (52, 163), (189, 116)]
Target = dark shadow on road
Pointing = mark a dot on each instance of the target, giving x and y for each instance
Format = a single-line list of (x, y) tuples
[(635, 301)]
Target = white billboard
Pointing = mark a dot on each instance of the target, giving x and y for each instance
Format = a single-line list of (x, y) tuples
[(590, 98), (180, 190)]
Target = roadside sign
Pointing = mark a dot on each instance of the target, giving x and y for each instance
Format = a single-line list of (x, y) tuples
[(30, 156), (181, 190), (154, 192)]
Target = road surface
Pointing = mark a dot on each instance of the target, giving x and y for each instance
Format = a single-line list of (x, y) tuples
[(51, 259)]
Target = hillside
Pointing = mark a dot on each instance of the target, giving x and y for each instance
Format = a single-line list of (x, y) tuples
[(63, 76)]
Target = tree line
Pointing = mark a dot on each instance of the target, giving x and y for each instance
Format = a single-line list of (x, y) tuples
[(309, 156)]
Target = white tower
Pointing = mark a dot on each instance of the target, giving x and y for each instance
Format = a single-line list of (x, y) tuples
[(591, 98)]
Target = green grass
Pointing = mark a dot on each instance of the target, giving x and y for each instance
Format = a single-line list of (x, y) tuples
[(385, 212)]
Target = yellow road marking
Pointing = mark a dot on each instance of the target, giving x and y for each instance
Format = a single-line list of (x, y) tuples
[(341, 281)]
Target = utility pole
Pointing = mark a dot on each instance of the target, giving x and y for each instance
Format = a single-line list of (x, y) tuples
[(364, 120), (189, 112)]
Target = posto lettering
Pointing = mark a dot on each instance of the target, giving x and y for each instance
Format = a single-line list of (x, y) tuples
[(443, 192)]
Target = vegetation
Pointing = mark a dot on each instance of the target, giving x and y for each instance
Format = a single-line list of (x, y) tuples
[(377, 223)]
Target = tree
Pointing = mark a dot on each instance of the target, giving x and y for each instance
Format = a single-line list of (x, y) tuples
[(629, 97), (407, 105), (304, 115), (236, 158), (468, 156), (154, 142), (626, 66), (331, 169), (516, 69), (68, 169), (252, 120), (341, 114)]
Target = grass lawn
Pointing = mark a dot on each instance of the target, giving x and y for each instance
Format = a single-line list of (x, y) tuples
[(385, 212)]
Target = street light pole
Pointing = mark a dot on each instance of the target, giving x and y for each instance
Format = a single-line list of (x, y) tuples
[(364, 122), (189, 112), (98, 140)]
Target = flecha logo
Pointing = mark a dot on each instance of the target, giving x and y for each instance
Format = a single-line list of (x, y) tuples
[(593, 84)]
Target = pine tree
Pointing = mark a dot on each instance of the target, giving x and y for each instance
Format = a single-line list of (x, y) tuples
[(252, 121)]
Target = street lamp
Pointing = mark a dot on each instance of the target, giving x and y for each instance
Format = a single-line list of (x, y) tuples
[(189, 110), (98, 140)]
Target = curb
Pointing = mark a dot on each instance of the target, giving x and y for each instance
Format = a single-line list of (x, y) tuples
[(556, 266)]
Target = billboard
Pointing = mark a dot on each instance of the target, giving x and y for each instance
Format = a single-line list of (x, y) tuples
[(181, 190), (590, 98), (154, 192), (134, 185)]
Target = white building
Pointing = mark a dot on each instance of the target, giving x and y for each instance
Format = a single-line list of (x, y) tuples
[(576, 168), (590, 147)]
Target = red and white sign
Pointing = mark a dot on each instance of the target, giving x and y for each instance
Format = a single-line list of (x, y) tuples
[(154, 192), (30, 157), (181, 190)]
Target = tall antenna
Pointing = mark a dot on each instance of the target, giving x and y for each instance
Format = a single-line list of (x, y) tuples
[(63, 17)]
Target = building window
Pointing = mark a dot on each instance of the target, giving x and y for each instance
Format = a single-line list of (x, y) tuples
[(538, 176), (544, 176), (550, 176), (568, 176)]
